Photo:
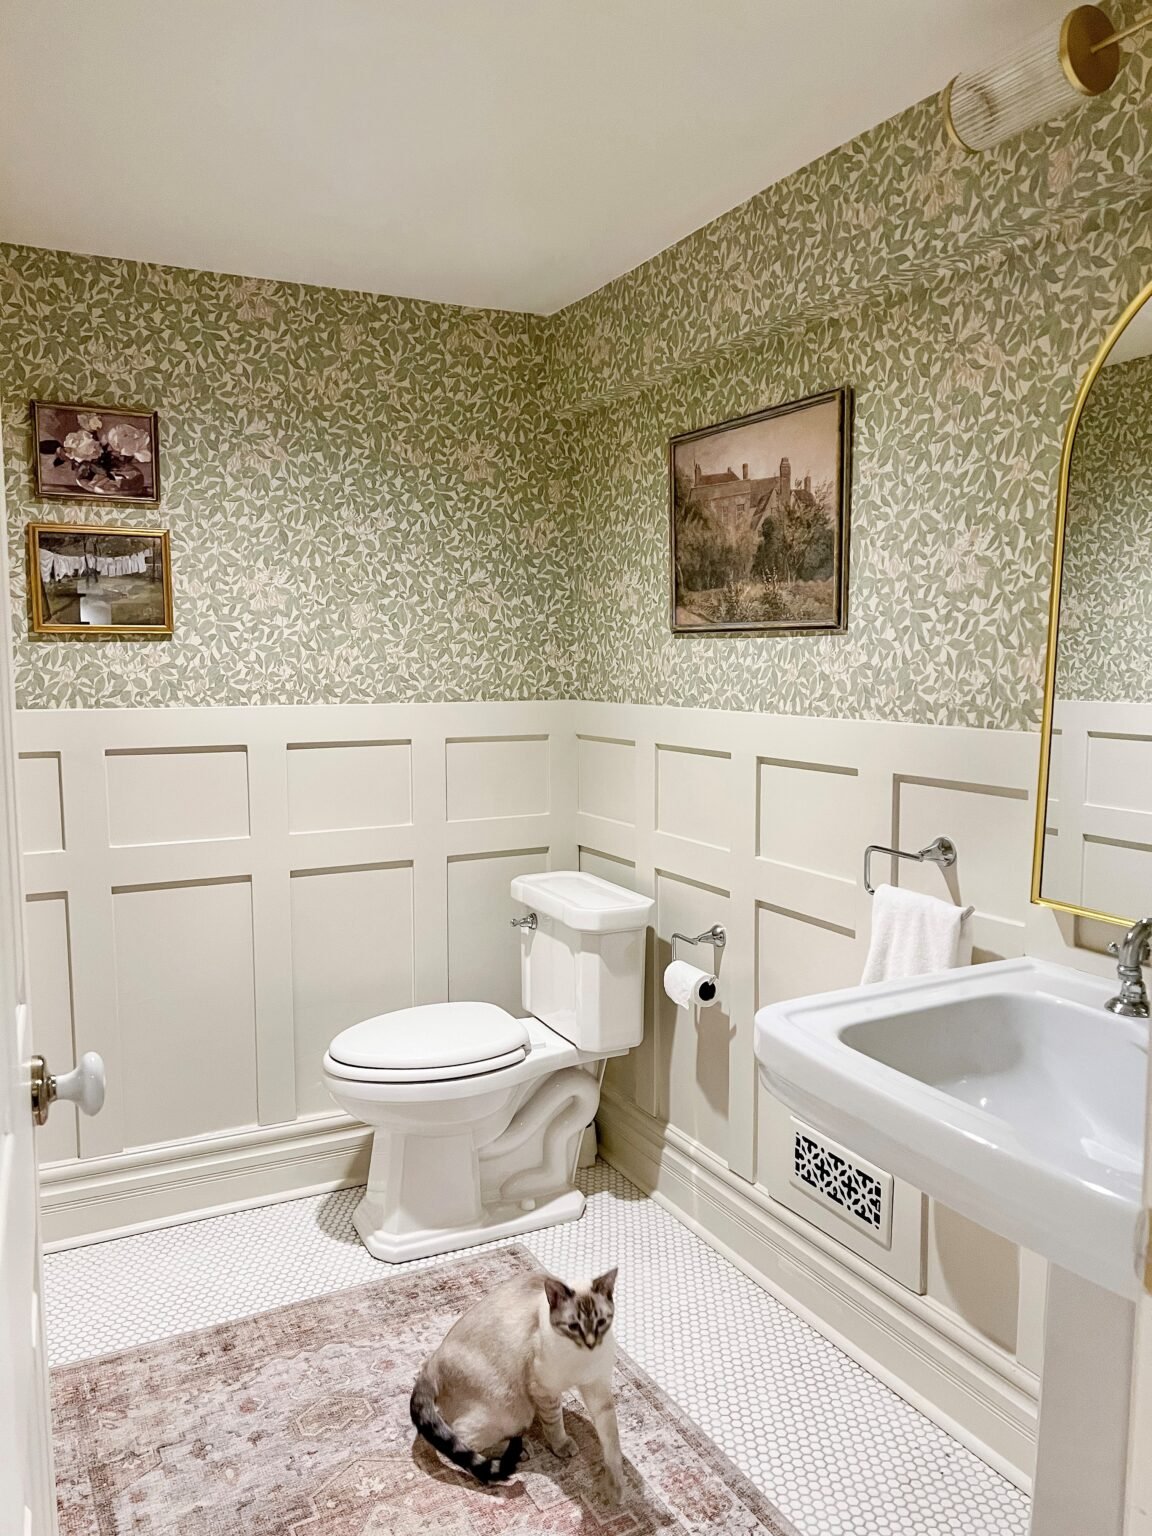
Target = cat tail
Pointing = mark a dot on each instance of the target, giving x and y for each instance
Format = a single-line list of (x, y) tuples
[(430, 1423)]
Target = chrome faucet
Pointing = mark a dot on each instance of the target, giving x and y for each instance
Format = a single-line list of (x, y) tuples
[(1132, 953)]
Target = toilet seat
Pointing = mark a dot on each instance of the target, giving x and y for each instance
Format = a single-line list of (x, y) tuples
[(436, 1042)]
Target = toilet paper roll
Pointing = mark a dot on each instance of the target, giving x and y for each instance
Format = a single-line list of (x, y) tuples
[(686, 985)]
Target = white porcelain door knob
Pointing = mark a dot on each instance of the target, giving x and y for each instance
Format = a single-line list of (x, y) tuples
[(84, 1086)]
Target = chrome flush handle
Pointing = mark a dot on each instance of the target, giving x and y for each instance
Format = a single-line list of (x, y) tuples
[(1131, 1002), (530, 922)]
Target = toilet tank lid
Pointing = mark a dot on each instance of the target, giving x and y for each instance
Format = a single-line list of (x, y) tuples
[(583, 902)]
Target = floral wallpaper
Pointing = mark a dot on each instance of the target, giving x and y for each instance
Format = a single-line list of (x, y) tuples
[(1105, 647), (359, 489), (373, 498)]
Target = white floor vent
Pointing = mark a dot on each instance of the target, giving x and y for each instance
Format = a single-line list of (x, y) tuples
[(841, 1180)]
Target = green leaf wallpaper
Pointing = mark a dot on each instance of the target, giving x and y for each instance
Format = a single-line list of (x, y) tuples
[(962, 391), (1105, 648), (377, 499), (358, 489)]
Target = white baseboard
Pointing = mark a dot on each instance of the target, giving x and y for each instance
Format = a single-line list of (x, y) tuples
[(91, 1200), (985, 1400)]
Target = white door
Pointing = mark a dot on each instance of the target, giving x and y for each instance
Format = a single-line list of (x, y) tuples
[(27, 1505), (27, 1501), (27, 1494)]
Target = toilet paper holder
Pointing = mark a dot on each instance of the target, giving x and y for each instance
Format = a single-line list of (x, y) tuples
[(715, 936)]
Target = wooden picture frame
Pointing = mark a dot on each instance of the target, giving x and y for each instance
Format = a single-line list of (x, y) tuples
[(108, 454), (96, 579), (759, 514)]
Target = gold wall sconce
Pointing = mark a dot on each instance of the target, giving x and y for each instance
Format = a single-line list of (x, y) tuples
[(1044, 77)]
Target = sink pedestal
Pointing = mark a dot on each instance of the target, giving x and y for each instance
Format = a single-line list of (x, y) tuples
[(1082, 1444)]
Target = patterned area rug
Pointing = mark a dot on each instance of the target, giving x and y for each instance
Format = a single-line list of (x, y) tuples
[(295, 1423)]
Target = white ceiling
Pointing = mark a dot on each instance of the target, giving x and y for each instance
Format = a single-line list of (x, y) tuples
[(511, 153)]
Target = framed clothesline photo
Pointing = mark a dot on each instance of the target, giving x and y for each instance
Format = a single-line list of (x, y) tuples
[(89, 579)]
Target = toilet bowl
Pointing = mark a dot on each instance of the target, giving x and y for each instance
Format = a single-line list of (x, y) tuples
[(477, 1115)]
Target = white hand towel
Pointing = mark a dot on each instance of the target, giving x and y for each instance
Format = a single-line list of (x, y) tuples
[(913, 935)]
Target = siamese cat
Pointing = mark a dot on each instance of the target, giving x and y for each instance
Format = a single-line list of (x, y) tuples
[(507, 1362)]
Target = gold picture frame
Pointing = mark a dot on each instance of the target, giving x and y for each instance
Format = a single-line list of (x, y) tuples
[(98, 453), (81, 575), (1046, 722)]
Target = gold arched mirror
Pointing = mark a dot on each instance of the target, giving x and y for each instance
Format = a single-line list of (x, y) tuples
[(1093, 852)]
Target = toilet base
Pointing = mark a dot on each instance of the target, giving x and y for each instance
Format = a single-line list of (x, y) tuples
[(499, 1222)]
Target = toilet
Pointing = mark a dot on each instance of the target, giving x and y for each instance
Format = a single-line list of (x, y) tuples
[(477, 1116)]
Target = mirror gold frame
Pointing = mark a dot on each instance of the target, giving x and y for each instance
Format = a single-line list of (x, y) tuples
[(1142, 298)]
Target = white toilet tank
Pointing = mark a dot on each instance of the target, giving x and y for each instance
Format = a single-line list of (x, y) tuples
[(582, 966)]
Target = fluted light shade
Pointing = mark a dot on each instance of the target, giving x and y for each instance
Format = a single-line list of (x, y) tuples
[(1040, 79)]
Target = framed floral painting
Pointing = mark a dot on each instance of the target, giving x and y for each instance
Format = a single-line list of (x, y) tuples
[(96, 453), (91, 579)]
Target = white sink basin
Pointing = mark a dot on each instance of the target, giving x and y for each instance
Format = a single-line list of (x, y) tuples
[(1004, 1090)]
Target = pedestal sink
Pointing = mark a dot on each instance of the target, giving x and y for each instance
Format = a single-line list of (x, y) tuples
[(1010, 1094)]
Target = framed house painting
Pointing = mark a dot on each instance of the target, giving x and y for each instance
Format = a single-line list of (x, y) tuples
[(96, 453), (759, 512), (88, 579)]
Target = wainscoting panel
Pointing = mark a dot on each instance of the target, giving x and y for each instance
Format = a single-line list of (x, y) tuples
[(341, 785), (989, 824), (606, 778), (1098, 851), (693, 1060), (808, 815), (46, 933), (41, 802), (214, 894), (1119, 771), (352, 957), (693, 794), (185, 1004), (483, 947), (494, 776), (176, 795)]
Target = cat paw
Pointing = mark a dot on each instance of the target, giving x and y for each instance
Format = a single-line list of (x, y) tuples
[(613, 1487), (565, 1447)]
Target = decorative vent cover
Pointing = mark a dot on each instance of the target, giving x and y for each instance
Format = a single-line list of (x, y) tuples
[(845, 1183)]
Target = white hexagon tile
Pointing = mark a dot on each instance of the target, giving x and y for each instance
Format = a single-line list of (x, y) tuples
[(839, 1453)]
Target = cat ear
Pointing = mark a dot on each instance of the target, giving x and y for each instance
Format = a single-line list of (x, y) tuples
[(605, 1284), (557, 1292)]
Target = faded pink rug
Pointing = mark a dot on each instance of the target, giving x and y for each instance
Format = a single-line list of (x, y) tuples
[(295, 1423)]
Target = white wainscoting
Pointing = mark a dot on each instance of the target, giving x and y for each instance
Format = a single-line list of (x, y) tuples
[(760, 823), (213, 893), (1098, 847)]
